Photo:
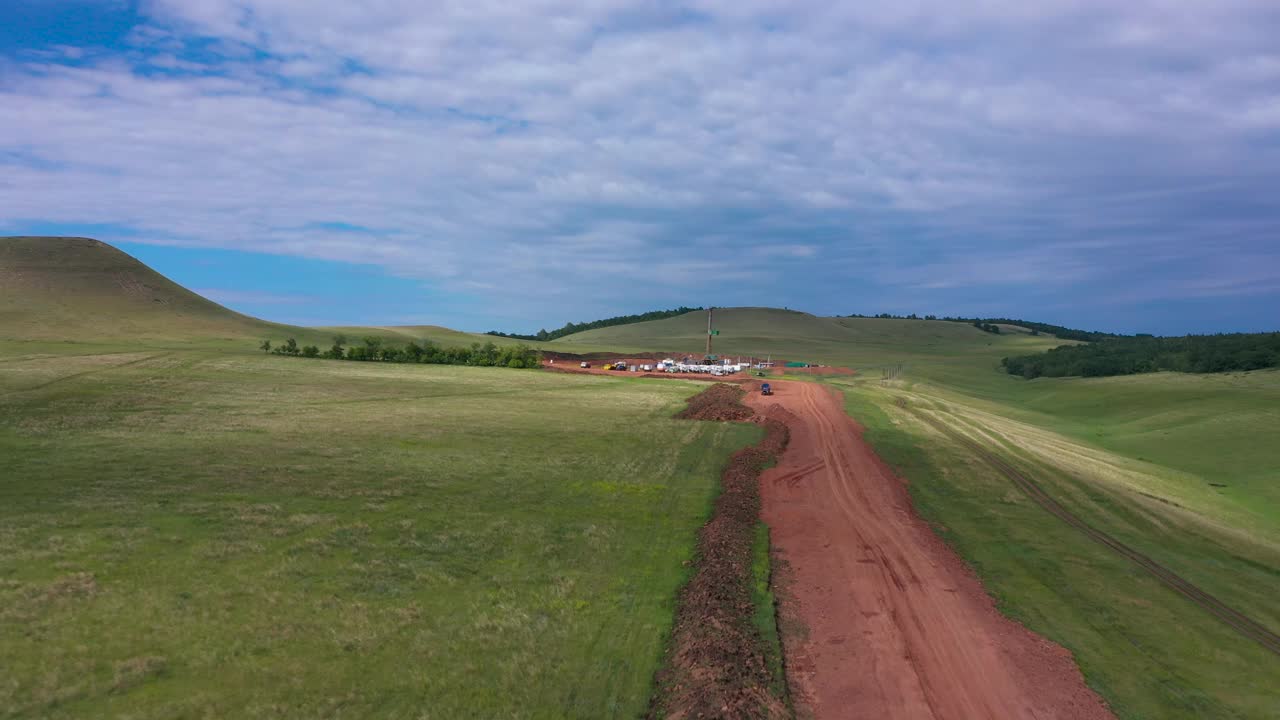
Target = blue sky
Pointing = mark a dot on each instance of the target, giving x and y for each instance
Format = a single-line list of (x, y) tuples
[(519, 165)]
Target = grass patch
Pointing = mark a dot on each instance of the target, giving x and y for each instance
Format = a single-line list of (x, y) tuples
[(199, 533), (766, 612)]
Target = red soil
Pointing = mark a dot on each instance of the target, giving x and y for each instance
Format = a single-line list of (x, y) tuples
[(897, 626), (718, 402)]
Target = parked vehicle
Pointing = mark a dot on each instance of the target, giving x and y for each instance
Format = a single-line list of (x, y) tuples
[(584, 364)]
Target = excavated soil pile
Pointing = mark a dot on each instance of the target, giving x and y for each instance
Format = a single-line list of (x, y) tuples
[(718, 402), (716, 665)]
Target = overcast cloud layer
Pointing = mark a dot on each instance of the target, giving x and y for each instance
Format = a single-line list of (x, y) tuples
[(1101, 164)]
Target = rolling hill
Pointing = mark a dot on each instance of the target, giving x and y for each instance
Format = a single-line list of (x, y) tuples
[(74, 289), (60, 288), (929, 348)]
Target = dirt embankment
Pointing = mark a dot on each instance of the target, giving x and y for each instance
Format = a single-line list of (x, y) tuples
[(715, 667), (897, 625)]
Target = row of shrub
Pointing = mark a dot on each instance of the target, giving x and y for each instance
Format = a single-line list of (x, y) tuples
[(571, 328), (373, 349), (1143, 354)]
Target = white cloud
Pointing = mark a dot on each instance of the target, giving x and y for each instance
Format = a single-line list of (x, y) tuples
[(512, 147)]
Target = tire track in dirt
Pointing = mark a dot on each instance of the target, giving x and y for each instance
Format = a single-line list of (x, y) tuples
[(1241, 623), (894, 624)]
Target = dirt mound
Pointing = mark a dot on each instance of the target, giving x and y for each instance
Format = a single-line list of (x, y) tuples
[(716, 665), (718, 402)]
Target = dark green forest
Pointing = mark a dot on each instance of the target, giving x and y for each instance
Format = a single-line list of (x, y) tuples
[(571, 328), (1143, 354), (373, 349)]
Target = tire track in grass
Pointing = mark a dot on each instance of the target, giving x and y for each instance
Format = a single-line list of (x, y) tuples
[(1242, 623), (84, 373)]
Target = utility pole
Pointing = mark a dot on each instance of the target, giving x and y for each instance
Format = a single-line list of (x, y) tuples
[(709, 310)]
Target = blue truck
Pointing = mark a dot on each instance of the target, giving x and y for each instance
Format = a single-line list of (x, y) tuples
[(765, 389)]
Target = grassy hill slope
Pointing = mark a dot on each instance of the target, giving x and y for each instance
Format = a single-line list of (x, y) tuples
[(56, 288), (932, 348)]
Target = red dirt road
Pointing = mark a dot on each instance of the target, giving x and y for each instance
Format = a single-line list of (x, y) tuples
[(894, 625)]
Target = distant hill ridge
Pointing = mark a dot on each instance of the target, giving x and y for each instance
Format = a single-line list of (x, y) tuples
[(76, 288), (571, 328), (990, 325), (993, 325)]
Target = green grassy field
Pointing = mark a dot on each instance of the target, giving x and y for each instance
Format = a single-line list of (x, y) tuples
[(207, 534)]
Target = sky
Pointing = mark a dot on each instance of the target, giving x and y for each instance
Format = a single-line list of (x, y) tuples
[(518, 165)]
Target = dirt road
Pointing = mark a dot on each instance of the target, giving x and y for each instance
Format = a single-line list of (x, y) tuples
[(892, 623)]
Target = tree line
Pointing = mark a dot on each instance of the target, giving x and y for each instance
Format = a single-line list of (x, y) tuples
[(991, 325), (373, 349), (571, 328), (1037, 328), (1144, 353)]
